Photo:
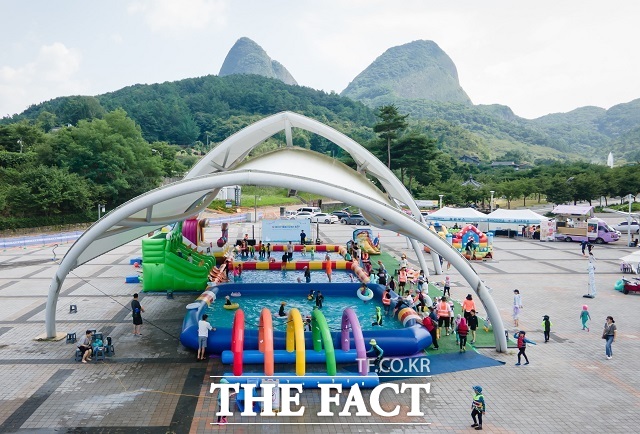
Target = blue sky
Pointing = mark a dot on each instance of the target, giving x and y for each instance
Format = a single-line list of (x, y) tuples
[(538, 58)]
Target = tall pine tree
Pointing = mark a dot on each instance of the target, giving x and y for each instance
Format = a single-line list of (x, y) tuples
[(390, 126)]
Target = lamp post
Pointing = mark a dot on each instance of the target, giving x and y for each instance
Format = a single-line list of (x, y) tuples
[(491, 203), (629, 226), (441, 196), (255, 207), (100, 208)]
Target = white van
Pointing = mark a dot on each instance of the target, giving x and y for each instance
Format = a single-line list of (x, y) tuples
[(312, 209), (289, 214)]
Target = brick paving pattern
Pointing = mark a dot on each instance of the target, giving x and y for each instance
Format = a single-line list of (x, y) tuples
[(153, 384)]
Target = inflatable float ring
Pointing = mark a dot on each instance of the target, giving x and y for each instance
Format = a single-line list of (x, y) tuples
[(232, 306), (366, 297)]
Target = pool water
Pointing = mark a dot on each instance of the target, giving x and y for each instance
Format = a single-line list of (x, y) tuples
[(332, 309), (292, 276)]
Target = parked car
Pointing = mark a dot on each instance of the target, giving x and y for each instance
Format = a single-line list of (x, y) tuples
[(312, 209), (324, 218), (354, 219), (301, 215), (341, 214), (624, 227)]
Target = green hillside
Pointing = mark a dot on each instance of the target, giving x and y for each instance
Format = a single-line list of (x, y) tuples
[(417, 70)]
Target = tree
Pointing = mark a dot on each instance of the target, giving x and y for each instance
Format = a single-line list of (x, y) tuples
[(510, 190), (413, 154), (111, 153), (390, 126), (559, 189)]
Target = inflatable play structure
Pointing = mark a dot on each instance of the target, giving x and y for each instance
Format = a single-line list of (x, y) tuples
[(439, 229), (241, 345), (366, 242), (483, 244), (173, 262)]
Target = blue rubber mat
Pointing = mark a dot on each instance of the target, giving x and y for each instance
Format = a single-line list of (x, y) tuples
[(420, 366)]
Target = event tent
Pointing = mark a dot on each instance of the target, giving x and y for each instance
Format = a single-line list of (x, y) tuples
[(517, 216), (447, 214), (634, 260)]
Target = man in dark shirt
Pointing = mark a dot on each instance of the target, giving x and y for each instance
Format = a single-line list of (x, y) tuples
[(136, 312)]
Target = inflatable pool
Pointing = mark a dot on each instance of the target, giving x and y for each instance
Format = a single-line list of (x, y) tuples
[(408, 340)]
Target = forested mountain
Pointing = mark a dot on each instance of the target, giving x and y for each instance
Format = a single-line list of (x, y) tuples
[(419, 78), (247, 57), (182, 112), (418, 70)]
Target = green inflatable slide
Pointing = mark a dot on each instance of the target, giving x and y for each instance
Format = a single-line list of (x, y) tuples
[(166, 265)]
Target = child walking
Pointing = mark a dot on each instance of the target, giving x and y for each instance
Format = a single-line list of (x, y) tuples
[(447, 287), (546, 326), (522, 346), (584, 316), (462, 332), (478, 407)]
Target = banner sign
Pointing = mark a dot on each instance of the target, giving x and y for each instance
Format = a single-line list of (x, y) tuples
[(284, 230)]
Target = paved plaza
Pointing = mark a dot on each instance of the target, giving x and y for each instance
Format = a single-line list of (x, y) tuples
[(154, 385)]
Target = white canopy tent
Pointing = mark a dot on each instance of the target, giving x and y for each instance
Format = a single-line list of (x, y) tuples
[(447, 214), (517, 216), (633, 260)]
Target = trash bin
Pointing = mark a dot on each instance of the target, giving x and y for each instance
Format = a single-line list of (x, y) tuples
[(282, 211)]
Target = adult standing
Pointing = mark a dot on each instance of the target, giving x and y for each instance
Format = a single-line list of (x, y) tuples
[(443, 314), (431, 327), (303, 238), (136, 312), (203, 335), (307, 274), (517, 306), (609, 333), (467, 306), (591, 268), (327, 266), (403, 261), (289, 251)]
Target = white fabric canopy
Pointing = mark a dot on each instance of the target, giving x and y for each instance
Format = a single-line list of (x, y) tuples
[(520, 216), (573, 209), (447, 214), (633, 259)]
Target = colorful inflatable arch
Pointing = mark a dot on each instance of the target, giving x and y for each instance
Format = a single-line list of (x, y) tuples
[(483, 248)]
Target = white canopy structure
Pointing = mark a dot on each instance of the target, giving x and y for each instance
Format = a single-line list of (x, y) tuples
[(288, 167), (447, 214), (634, 260), (519, 216)]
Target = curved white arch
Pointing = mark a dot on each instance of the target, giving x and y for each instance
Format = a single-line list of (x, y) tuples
[(232, 151), (407, 225)]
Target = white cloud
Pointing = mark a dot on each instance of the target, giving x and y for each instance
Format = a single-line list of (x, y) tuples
[(184, 15), (49, 75)]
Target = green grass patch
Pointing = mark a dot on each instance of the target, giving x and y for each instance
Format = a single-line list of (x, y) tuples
[(268, 200)]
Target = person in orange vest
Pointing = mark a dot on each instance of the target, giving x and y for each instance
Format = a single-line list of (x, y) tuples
[(443, 314), (402, 279), (386, 301)]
